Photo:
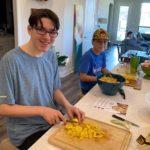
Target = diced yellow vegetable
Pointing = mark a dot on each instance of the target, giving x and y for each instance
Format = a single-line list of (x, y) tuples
[(109, 79), (83, 130)]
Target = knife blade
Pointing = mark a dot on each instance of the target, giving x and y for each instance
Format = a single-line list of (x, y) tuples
[(119, 118)]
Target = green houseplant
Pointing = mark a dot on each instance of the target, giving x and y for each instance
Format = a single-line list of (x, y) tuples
[(62, 60)]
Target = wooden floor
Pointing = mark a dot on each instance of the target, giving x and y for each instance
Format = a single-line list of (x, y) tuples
[(71, 85)]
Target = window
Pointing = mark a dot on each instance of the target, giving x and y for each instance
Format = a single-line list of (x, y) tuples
[(144, 26), (122, 23)]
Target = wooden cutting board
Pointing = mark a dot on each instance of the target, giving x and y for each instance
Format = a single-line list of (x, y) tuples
[(124, 72), (131, 83), (117, 139)]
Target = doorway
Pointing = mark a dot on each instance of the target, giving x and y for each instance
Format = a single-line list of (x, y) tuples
[(6, 26), (78, 33), (83, 29), (89, 24), (122, 22)]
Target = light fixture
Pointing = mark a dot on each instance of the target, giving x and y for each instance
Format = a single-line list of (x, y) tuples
[(101, 21)]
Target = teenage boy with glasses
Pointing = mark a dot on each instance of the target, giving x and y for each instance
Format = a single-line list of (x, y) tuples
[(30, 84)]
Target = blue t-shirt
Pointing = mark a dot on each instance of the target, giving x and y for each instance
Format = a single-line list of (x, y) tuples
[(31, 81), (91, 64)]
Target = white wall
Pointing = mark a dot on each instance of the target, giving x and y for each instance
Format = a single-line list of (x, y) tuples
[(103, 10), (64, 10), (133, 15), (22, 13)]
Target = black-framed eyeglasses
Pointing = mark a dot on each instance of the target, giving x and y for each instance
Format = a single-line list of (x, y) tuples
[(43, 31), (102, 41)]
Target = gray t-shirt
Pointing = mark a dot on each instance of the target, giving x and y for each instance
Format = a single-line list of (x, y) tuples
[(31, 81)]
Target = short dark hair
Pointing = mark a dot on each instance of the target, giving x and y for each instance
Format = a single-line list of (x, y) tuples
[(37, 14), (129, 33)]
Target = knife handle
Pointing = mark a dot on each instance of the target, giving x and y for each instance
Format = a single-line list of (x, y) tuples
[(117, 117), (121, 91)]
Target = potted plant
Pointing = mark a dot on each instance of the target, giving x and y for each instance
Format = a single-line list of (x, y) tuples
[(62, 60)]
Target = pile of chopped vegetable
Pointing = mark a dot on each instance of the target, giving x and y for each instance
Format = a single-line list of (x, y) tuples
[(83, 130)]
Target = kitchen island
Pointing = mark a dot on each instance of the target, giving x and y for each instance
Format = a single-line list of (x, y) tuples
[(138, 112)]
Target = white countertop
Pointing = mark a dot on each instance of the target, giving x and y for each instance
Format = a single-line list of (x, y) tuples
[(138, 112)]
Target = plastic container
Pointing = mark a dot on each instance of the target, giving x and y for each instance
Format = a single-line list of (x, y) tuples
[(139, 78), (134, 62)]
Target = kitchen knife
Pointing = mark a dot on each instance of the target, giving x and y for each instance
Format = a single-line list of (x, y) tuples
[(122, 93), (119, 118)]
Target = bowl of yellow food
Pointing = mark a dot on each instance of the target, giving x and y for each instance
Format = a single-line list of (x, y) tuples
[(110, 84)]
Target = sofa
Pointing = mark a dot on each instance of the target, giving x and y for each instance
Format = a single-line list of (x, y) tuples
[(146, 36)]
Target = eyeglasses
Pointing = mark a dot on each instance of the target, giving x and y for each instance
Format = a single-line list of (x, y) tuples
[(102, 41), (43, 31)]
